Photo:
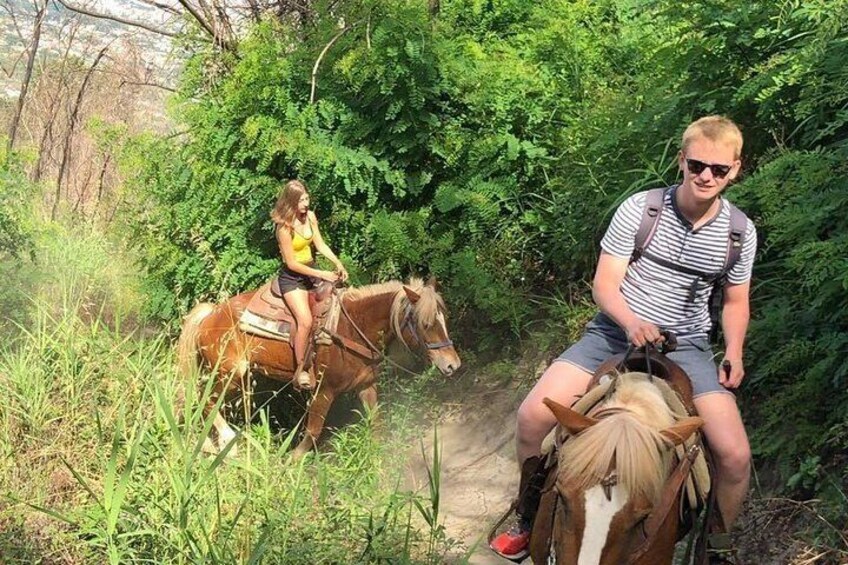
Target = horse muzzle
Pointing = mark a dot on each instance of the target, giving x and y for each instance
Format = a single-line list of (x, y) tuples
[(446, 360)]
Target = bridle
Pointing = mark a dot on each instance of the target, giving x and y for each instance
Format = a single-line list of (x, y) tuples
[(374, 353), (408, 322)]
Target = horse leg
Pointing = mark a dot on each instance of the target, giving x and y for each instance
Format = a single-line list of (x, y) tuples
[(318, 409), (368, 397), (221, 434), (225, 434), (230, 380)]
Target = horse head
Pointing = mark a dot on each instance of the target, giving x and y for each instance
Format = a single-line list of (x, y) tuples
[(612, 474), (419, 320)]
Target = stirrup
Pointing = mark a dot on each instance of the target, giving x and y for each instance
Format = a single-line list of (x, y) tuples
[(513, 543)]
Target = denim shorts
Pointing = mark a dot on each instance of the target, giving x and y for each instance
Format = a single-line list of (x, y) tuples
[(290, 280), (604, 338)]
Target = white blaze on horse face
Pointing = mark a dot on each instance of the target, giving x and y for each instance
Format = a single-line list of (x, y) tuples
[(440, 317), (599, 515)]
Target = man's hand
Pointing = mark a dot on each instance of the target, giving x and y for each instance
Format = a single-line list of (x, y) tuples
[(736, 373), (640, 333)]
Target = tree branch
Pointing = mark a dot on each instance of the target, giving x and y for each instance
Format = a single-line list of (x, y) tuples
[(33, 51), (324, 52), (203, 23), (133, 23), (9, 9), (224, 19), (153, 84), (169, 9), (255, 10), (66, 150)]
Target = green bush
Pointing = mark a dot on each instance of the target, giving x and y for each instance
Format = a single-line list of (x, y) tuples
[(489, 145)]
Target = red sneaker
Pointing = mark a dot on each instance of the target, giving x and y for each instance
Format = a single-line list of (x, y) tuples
[(513, 544)]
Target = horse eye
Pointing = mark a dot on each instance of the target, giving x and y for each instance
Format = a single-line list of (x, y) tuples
[(642, 516)]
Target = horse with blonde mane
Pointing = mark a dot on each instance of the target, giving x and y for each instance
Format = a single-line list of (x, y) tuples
[(614, 497), (374, 316)]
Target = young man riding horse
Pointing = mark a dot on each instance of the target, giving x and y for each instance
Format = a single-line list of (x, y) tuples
[(665, 285)]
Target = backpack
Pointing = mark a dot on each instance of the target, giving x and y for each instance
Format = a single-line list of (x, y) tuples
[(654, 204)]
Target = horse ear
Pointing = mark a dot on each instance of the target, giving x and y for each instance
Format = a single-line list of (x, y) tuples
[(682, 430), (573, 422), (433, 282), (411, 294)]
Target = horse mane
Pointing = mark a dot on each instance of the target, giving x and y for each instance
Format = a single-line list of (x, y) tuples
[(425, 309), (630, 439), (367, 291)]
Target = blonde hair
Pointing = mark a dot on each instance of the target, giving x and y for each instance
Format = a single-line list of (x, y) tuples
[(631, 439), (285, 208), (717, 129)]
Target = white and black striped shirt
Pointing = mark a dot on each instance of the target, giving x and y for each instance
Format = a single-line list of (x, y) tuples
[(659, 294)]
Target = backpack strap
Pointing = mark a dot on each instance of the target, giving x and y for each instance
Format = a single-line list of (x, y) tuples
[(654, 200), (735, 239)]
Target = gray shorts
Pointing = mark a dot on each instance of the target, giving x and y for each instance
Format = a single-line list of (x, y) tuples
[(603, 339)]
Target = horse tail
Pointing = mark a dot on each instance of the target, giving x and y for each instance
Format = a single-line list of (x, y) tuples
[(187, 348)]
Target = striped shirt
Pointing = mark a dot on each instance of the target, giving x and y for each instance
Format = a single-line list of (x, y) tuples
[(660, 295)]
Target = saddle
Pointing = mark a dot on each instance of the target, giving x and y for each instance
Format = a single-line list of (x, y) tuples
[(267, 314)]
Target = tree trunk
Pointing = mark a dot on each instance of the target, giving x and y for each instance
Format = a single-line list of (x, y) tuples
[(66, 146), (33, 50)]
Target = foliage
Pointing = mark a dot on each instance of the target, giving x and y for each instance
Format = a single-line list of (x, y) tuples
[(97, 467), (489, 145), (800, 332), (16, 222)]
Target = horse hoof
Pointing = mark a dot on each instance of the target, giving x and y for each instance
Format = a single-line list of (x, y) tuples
[(209, 447)]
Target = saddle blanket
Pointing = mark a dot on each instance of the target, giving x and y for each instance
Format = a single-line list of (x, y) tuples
[(280, 330)]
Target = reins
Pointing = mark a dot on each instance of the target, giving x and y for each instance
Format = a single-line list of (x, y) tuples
[(373, 352), (667, 346)]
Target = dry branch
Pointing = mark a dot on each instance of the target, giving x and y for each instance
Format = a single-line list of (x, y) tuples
[(133, 23), (197, 16), (66, 150), (324, 52), (33, 51), (167, 8), (151, 84)]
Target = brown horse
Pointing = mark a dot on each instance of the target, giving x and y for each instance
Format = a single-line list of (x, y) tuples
[(372, 317), (614, 499)]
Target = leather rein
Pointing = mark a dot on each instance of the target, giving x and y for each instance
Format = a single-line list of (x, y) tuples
[(372, 352)]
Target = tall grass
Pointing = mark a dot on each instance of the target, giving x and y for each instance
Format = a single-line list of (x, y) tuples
[(96, 466)]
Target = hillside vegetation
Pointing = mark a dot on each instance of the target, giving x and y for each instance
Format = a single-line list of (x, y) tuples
[(486, 142)]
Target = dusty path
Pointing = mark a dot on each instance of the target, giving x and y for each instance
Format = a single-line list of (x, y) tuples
[(479, 476)]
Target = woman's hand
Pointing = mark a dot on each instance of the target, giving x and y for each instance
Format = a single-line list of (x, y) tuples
[(329, 276), (341, 272)]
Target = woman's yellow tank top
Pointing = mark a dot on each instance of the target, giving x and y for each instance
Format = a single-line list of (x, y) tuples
[(302, 246)]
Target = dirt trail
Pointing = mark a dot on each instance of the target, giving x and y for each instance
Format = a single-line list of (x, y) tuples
[(479, 476)]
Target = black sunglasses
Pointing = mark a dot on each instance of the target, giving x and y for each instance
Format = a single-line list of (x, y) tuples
[(697, 167)]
